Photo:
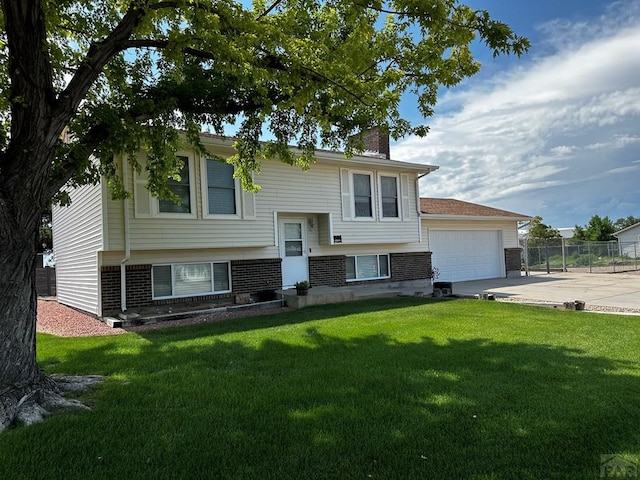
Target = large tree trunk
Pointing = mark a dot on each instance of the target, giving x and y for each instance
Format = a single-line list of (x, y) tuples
[(18, 306), (20, 377), (26, 394), (37, 120)]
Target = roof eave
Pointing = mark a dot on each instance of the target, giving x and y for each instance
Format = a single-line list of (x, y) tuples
[(338, 157), (328, 156)]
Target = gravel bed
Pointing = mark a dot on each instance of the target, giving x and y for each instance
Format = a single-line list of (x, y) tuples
[(62, 321)]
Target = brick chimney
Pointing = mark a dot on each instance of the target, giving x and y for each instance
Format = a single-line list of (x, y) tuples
[(377, 142)]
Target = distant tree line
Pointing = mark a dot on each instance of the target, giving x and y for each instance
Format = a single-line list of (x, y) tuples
[(597, 230), (602, 229)]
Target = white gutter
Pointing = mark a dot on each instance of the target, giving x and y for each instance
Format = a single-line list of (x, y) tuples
[(420, 214), (433, 168), (127, 246)]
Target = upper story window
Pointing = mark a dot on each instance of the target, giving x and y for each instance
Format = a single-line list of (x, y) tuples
[(362, 195), (181, 188), (389, 196), (219, 195), (222, 198), (382, 196)]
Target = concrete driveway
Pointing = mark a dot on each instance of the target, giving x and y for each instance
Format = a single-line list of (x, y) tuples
[(620, 290)]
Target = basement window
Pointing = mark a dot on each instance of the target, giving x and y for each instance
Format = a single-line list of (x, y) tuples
[(190, 279), (367, 267)]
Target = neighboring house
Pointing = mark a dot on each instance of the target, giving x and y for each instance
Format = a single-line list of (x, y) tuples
[(629, 240), (343, 221), (567, 232), (470, 241)]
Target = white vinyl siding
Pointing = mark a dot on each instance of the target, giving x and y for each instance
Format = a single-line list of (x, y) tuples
[(190, 279), (285, 190), (367, 267), (78, 237)]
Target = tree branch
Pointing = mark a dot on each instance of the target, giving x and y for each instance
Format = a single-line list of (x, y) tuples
[(269, 10), (97, 57)]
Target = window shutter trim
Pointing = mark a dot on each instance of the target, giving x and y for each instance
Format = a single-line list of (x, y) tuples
[(404, 192), (345, 191)]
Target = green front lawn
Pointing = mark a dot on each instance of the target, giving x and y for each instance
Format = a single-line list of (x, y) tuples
[(402, 388)]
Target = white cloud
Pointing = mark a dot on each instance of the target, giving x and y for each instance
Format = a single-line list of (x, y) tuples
[(557, 136)]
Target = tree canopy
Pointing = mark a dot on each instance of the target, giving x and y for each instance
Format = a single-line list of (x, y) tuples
[(597, 230), (121, 75), (539, 230), (625, 222)]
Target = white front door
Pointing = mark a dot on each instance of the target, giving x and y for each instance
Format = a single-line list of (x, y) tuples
[(293, 251)]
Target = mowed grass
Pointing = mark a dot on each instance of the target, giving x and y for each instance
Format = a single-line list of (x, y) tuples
[(393, 389)]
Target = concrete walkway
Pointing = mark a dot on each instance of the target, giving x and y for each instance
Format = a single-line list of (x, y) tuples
[(620, 290)]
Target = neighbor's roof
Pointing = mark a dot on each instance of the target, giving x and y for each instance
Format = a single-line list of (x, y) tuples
[(449, 207)]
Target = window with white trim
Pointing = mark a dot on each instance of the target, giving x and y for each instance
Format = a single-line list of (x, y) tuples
[(181, 188), (367, 267), (222, 194), (389, 205), (190, 279), (363, 195)]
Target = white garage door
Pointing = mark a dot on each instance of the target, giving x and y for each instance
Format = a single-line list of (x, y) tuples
[(466, 254)]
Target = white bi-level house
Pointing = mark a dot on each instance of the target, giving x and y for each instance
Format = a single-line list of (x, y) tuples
[(343, 221)]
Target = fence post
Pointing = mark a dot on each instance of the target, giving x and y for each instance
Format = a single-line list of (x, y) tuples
[(564, 257), (613, 253), (546, 253), (526, 256), (589, 253)]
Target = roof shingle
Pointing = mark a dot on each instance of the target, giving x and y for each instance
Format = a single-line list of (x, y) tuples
[(450, 206)]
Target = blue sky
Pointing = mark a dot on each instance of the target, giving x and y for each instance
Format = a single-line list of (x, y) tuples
[(555, 133)]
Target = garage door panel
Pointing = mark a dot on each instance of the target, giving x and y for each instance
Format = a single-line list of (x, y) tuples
[(466, 255)]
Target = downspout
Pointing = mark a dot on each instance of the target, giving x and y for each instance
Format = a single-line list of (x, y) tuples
[(127, 247), (418, 188), (418, 204)]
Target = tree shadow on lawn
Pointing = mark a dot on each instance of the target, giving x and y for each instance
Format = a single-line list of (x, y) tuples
[(326, 407)]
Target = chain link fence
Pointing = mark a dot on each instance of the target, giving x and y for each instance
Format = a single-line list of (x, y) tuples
[(568, 255)]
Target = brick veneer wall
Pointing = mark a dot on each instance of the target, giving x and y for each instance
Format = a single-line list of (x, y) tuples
[(252, 276), (138, 287), (110, 280), (410, 266), (139, 293), (512, 259), (330, 270)]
